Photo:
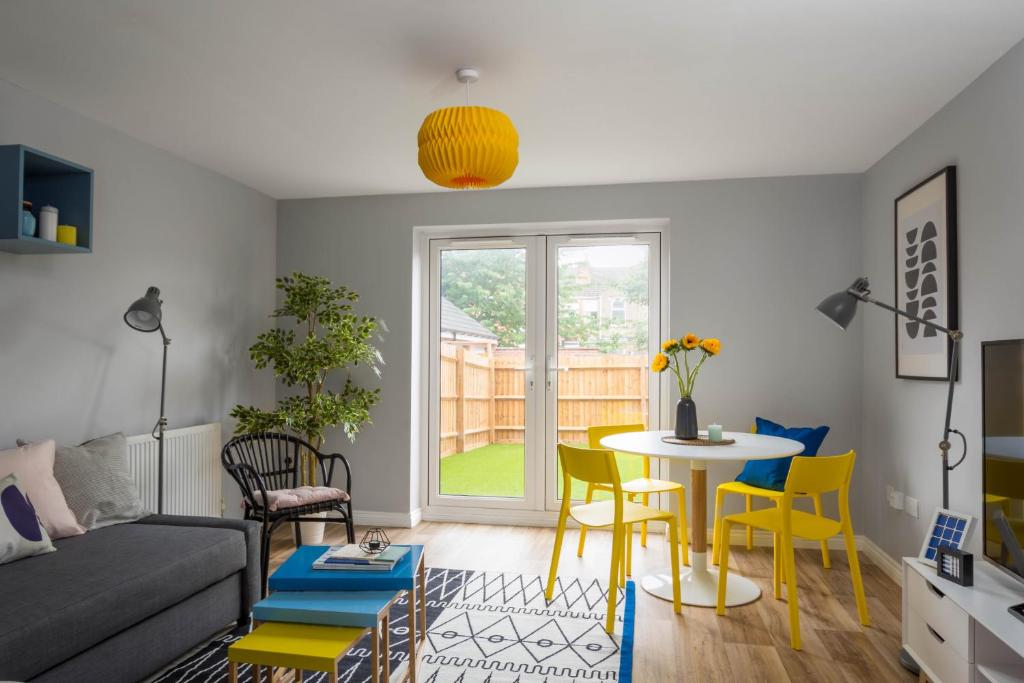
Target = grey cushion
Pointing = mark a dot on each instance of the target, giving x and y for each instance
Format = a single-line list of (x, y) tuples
[(96, 585), (96, 482)]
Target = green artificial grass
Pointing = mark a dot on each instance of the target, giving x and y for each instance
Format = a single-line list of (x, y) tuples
[(498, 470)]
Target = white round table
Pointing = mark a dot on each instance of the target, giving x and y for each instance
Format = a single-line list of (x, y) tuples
[(699, 582)]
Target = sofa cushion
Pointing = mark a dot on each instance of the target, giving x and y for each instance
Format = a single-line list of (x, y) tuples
[(21, 534), (33, 463), (95, 480), (56, 605)]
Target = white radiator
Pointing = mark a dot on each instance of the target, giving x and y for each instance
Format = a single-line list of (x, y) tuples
[(192, 470)]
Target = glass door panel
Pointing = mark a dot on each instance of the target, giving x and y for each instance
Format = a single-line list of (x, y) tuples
[(600, 341), (482, 349)]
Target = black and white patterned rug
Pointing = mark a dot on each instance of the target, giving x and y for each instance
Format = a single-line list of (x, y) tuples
[(482, 627)]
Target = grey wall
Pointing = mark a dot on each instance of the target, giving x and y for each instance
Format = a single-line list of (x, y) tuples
[(749, 261), (71, 369), (980, 131)]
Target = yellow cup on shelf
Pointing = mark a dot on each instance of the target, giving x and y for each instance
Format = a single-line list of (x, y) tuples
[(67, 234)]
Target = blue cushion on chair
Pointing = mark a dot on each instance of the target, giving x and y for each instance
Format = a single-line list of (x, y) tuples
[(771, 474)]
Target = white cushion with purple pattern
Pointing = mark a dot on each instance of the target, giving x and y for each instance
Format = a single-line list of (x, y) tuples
[(21, 533)]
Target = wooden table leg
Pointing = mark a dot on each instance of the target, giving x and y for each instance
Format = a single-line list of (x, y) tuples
[(423, 602), (411, 599), (375, 654), (387, 650), (232, 672), (699, 507)]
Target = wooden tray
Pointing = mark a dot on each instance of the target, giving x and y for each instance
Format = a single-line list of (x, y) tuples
[(700, 441)]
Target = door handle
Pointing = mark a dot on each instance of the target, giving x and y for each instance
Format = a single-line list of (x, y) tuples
[(528, 369), (552, 369)]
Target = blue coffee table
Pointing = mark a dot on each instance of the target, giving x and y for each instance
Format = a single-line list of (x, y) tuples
[(409, 575)]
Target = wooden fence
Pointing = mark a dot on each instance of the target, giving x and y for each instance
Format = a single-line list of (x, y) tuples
[(483, 394)]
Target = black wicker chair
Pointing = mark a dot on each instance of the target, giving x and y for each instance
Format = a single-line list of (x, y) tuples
[(269, 461)]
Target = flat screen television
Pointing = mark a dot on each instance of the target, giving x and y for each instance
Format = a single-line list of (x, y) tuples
[(1003, 458)]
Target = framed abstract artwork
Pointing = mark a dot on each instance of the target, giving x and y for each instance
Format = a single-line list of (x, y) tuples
[(926, 275)]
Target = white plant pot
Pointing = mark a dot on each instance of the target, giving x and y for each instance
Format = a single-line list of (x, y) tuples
[(312, 532)]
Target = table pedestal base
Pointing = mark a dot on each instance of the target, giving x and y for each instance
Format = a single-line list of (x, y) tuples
[(699, 585)]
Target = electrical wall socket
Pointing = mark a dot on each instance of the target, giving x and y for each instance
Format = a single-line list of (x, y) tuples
[(895, 498), (911, 506)]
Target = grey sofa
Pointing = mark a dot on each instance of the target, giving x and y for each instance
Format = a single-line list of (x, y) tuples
[(118, 603)]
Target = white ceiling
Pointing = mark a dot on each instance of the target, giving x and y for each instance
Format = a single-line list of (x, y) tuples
[(324, 97)]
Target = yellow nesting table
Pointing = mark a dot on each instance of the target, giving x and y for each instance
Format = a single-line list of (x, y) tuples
[(302, 647)]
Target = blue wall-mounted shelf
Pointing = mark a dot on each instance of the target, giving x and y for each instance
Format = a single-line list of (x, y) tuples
[(43, 179)]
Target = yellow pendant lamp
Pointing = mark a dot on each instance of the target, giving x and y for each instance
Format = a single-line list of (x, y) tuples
[(468, 147)]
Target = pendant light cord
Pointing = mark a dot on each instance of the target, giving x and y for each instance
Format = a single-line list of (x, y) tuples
[(467, 93)]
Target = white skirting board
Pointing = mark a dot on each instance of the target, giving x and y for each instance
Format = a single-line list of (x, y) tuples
[(402, 520), (192, 470)]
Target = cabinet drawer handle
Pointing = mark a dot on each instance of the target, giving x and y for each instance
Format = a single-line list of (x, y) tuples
[(935, 634), (935, 590)]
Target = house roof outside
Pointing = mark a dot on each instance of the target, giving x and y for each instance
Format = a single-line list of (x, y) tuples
[(457, 322)]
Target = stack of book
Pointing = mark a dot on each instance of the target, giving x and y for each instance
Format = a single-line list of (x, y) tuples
[(353, 558)]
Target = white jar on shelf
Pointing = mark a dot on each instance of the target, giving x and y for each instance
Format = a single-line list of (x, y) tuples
[(48, 223)]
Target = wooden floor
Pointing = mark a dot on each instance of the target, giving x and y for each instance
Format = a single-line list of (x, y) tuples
[(750, 643)]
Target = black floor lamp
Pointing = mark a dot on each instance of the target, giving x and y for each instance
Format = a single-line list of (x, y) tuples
[(840, 309), (145, 316)]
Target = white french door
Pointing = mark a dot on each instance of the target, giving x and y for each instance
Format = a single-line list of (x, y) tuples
[(533, 338)]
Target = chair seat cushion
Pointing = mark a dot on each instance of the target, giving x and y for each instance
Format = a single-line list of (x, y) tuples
[(805, 525), (603, 513), (771, 474), (282, 499)]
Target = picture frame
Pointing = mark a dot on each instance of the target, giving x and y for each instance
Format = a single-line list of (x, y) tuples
[(926, 275), (947, 528)]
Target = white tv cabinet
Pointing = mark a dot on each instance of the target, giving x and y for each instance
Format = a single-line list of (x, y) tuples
[(963, 635)]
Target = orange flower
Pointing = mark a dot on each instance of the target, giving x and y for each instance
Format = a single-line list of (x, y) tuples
[(659, 363), (711, 346), (670, 345), (691, 341)]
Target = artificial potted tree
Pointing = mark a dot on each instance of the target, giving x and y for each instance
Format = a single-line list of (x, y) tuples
[(330, 339)]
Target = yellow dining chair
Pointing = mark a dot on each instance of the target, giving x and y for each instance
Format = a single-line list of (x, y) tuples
[(642, 487), (748, 492), (597, 466), (820, 474)]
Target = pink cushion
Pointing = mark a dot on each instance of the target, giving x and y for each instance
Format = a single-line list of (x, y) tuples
[(282, 499), (33, 463)]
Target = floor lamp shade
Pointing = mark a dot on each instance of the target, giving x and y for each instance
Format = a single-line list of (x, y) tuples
[(144, 314), (839, 308)]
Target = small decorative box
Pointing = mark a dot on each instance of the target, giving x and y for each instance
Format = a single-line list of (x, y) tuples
[(67, 234), (955, 565)]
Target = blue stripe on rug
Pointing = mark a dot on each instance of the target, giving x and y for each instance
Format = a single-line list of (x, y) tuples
[(628, 621)]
